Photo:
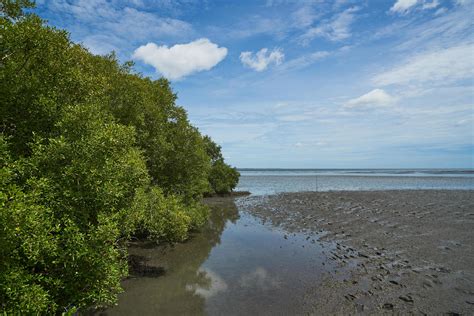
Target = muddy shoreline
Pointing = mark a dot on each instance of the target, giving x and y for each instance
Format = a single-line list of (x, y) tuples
[(406, 251)]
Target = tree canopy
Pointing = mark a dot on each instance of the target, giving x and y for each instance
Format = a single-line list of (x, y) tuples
[(91, 153)]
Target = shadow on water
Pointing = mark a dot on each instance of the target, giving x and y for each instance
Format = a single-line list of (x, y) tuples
[(164, 279), (235, 265), (138, 267)]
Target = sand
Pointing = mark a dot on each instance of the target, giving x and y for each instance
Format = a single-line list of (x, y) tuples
[(399, 252)]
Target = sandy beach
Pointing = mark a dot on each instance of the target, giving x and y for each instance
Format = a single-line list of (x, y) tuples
[(398, 251)]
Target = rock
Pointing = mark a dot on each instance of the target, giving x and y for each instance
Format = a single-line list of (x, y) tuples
[(350, 297), (388, 306), (443, 270), (406, 298)]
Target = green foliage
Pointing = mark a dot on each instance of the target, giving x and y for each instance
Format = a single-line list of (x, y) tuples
[(160, 217), (13, 9), (66, 202), (174, 150), (90, 155), (93, 164), (25, 240), (222, 177)]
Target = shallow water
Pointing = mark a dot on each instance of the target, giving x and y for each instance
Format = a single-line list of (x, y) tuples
[(237, 265), (271, 181)]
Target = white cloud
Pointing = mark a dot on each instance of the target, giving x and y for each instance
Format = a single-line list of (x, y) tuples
[(374, 98), (336, 29), (440, 66), (181, 60), (122, 21), (463, 2), (430, 5), (447, 30), (440, 11), (304, 16), (262, 60), (402, 6)]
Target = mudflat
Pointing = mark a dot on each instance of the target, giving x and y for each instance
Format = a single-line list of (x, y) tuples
[(398, 251)]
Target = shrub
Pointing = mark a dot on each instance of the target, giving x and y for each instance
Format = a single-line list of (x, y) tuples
[(159, 217)]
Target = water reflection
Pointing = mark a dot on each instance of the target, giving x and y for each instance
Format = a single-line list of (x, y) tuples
[(215, 285), (236, 265), (259, 279)]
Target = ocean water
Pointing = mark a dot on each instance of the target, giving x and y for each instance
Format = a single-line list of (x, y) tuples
[(271, 181)]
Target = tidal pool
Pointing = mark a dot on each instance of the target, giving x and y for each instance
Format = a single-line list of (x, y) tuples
[(236, 265)]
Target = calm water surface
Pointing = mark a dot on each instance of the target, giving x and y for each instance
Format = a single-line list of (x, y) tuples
[(238, 265), (271, 181)]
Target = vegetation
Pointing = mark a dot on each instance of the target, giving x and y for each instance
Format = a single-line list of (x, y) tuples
[(222, 177), (90, 154)]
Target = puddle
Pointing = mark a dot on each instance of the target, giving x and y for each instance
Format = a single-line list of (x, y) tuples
[(236, 265)]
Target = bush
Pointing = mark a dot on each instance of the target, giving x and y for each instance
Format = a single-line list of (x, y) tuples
[(158, 217), (222, 177), (26, 243), (90, 154), (62, 214)]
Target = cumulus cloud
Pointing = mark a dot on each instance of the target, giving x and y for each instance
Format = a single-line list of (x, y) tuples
[(336, 29), (181, 60), (439, 66), (262, 58), (372, 99), (402, 6)]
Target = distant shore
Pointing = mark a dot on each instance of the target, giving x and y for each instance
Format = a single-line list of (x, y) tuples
[(229, 194), (409, 251)]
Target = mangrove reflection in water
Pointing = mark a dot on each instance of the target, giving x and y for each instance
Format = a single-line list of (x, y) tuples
[(236, 265)]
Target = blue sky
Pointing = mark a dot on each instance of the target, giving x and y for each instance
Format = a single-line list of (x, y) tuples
[(303, 84)]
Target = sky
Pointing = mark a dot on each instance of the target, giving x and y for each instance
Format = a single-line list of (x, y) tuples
[(302, 84)]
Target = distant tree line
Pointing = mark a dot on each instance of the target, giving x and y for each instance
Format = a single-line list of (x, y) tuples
[(91, 154)]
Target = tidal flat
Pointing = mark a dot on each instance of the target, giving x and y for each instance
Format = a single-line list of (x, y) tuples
[(314, 253), (407, 251)]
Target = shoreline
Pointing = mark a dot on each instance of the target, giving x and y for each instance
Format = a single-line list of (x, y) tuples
[(404, 251)]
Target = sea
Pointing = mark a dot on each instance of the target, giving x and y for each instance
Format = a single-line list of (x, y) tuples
[(272, 181)]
